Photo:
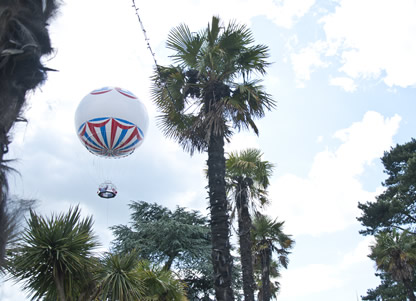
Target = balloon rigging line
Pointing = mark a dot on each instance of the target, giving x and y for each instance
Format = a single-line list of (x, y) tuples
[(165, 86), (145, 35), (151, 51)]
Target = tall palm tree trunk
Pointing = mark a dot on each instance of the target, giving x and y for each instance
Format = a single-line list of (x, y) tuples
[(221, 257), (169, 262), (244, 227), (24, 39), (410, 292), (265, 274), (3, 215), (11, 103), (3, 192)]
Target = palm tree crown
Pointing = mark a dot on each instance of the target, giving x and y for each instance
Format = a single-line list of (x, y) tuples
[(395, 252), (210, 88), (160, 284), (55, 258), (119, 277), (249, 170)]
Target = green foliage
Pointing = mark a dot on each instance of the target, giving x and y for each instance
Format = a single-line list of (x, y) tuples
[(160, 284), (391, 218), (395, 252), (247, 169), (177, 239), (210, 84), (268, 239), (247, 178), (396, 206), (163, 236), (274, 276), (120, 278), (388, 290), (126, 277), (268, 233), (54, 258)]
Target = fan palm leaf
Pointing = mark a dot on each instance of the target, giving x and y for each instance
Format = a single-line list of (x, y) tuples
[(395, 253)]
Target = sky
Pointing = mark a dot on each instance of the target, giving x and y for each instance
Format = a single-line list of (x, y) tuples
[(343, 76)]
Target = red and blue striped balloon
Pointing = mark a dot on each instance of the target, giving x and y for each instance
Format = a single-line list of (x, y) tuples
[(111, 122)]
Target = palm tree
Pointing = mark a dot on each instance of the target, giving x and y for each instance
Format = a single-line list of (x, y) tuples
[(395, 253), (248, 178), (160, 284), (120, 277), (202, 98), (274, 274), (24, 39), (54, 260), (268, 238)]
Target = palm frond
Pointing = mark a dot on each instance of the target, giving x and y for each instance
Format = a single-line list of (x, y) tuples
[(120, 279), (160, 284), (186, 44), (201, 85), (395, 253), (213, 31), (248, 164), (268, 233), (54, 250)]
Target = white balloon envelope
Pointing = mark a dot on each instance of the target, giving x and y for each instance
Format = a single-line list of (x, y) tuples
[(111, 122)]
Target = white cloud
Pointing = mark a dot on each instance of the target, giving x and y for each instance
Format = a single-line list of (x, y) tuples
[(345, 83), (306, 61), (11, 292), (241, 141), (320, 277), (372, 39), (284, 13), (309, 279), (326, 200), (378, 39), (287, 12), (358, 255)]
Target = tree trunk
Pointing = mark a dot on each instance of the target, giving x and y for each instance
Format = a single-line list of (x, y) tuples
[(11, 102), (3, 214), (24, 39), (59, 282), (409, 290), (221, 257), (265, 273), (411, 294), (169, 262), (3, 188), (244, 227)]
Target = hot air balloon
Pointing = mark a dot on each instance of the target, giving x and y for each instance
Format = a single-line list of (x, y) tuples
[(111, 122)]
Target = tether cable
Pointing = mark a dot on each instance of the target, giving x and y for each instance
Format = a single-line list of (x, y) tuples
[(164, 86)]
